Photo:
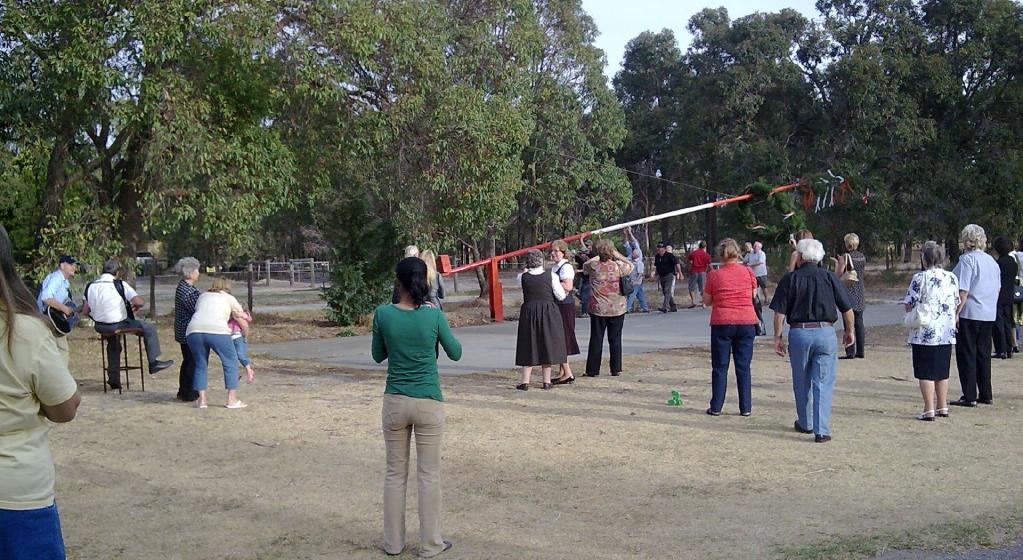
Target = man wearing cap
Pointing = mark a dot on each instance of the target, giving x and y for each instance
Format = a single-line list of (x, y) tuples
[(56, 289), (666, 270), (107, 300)]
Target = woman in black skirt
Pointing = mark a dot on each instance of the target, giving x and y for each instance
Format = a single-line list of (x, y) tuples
[(541, 338), (937, 291), (565, 272)]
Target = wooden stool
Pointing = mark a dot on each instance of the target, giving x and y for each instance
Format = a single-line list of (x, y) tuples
[(125, 367)]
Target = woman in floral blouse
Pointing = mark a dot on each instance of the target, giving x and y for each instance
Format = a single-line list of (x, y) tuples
[(938, 290), (606, 305)]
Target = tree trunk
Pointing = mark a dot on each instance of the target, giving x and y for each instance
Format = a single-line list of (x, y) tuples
[(56, 181), (129, 201), (907, 251)]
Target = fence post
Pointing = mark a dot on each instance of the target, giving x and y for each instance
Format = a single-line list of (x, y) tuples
[(291, 271), (152, 292), (268, 273), (312, 273), (249, 284)]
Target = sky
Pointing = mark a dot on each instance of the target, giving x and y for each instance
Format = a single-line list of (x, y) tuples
[(619, 21)]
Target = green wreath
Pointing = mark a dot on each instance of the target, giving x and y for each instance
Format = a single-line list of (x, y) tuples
[(793, 218)]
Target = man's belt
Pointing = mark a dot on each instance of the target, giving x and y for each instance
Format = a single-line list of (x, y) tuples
[(817, 325)]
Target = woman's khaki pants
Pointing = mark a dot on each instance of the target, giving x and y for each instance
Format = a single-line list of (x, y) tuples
[(401, 416)]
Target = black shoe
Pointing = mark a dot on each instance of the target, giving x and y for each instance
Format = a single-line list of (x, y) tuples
[(663, 310), (547, 386), (801, 429), (962, 402), (522, 386), (567, 381), (615, 373), (821, 439), (114, 386), (712, 412), (846, 357), (986, 401), (998, 355), (591, 374), (159, 365), (860, 356), (188, 398)]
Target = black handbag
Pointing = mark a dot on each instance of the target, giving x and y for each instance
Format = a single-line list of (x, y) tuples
[(625, 284)]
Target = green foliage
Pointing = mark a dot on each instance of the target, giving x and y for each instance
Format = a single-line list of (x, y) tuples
[(353, 295)]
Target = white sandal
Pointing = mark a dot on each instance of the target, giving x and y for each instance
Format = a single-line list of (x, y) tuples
[(927, 416), (237, 404), (942, 412)]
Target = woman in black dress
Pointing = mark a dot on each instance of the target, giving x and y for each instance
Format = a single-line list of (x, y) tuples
[(541, 337), (857, 261)]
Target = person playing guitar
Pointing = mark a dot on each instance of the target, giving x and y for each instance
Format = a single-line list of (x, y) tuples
[(54, 299)]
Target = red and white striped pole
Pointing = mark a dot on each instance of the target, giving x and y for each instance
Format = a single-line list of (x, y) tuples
[(494, 282)]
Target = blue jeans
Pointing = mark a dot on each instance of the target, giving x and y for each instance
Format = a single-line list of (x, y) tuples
[(727, 341), (200, 345), (812, 355), (637, 293), (241, 347), (32, 534)]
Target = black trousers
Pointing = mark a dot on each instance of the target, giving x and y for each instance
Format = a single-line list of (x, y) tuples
[(149, 339), (973, 358), (186, 376), (1004, 335), (613, 326), (861, 336)]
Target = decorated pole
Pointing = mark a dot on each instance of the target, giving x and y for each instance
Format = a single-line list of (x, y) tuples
[(494, 281)]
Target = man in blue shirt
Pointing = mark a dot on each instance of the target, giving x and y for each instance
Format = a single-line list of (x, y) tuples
[(56, 289)]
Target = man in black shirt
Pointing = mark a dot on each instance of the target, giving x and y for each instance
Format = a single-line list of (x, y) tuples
[(666, 269), (585, 288), (810, 298)]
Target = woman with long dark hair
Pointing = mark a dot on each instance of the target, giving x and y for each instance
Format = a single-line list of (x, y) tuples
[(35, 385), (406, 334)]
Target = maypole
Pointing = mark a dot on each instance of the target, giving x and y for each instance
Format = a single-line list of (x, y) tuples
[(494, 281)]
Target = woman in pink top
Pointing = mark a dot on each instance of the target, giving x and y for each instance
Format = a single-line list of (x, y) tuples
[(730, 290)]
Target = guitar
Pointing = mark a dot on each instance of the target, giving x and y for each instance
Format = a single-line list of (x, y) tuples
[(63, 324)]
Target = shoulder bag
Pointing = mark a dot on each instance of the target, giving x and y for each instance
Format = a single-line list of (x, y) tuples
[(921, 315), (849, 277), (624, 281)]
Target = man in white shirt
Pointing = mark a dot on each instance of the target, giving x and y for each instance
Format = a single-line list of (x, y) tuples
[(107, 301), (757, 260)]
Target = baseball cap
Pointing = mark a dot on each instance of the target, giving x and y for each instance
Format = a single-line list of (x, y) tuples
[(67, 259), (661, 245)]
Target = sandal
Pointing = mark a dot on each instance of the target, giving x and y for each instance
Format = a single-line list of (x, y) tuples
[(942, 412), (237, 404), (926, 416)]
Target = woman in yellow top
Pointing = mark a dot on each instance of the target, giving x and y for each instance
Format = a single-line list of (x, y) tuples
[(35, 385)]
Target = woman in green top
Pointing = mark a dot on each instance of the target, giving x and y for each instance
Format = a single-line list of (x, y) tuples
[(406, 334)]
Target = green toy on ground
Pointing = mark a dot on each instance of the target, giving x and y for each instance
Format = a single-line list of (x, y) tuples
[(675, 400)]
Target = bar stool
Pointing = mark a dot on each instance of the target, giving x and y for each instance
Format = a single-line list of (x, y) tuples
[(125, 367)]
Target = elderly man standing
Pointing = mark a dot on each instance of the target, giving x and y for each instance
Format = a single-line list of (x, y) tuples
[(809, 298), (979, 284)]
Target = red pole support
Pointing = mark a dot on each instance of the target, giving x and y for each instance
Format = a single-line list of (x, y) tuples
[(494, 282)]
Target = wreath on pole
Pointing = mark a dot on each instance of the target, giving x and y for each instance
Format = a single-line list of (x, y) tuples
[(782, 203)]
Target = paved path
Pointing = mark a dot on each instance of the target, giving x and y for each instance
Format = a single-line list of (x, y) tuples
[(491, 347)]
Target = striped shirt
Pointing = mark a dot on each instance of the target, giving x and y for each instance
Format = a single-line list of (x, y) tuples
[(184, 307)]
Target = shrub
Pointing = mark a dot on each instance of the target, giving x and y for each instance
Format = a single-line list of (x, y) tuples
[(353, 293)]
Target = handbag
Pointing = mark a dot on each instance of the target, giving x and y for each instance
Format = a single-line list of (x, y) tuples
[(624, 284), (1017, 294), (921, 315), (850, 276)]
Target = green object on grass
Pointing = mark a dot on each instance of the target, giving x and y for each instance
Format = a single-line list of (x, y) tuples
[(675, 400)]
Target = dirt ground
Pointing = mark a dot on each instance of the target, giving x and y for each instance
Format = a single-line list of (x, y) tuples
[(599, 469)]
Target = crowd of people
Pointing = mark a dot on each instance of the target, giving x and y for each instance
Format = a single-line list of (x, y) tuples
[(973, 308)]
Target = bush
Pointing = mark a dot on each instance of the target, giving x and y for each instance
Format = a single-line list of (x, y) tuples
[(352, 294)]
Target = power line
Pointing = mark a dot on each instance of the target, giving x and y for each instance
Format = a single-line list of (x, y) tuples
[(630, 172)]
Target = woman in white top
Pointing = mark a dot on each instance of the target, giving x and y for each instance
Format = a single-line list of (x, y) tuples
[(936, 290), (565, 272), (208, 330)]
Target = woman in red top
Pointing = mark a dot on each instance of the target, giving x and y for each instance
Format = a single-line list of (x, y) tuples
[(730, 290)]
